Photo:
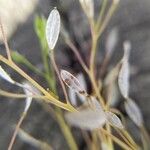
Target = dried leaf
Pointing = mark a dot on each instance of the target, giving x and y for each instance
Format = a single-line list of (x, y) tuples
[(134, 112), (111, 41), (114, 120), (86, 119), (123, 79), (72, 82), (5, 76), (53, 28), (88, 7)]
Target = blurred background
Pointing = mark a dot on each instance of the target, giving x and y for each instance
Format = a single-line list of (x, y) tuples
[(132, 20)]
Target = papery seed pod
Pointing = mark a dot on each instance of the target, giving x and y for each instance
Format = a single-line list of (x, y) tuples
[(110, 86), (111, 41), (127, 48), (53, 28), (5, 76), (112, 94), (114, 120), (134, 112), (123, 79), (86, 119), (72, 82), (72, 97), (88, 7)]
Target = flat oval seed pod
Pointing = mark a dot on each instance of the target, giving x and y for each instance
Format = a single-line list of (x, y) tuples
[(5, 76), (134, 112), (53, 28), (72, 82), (123, 79), (111, 87), (114, 120), (86, 119), (72, 97), (111, 41)]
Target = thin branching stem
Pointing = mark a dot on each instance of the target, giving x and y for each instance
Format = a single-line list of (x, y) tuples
[(108, 17), (76, 52), (16, 130), (126, 134), (66, 131), (101, 13), (49, 98), (16, 95), (58, 74), (5, 41), (35, 142), (116, 140), (109, 139)]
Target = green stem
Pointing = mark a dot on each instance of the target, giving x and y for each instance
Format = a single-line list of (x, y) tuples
[(66, 130), (48, 74)]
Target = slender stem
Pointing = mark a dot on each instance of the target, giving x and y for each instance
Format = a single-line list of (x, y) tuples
[(66, 131), (58, 74), (126, 134), (94, 144), (5, 41), (109, 139), (16, 95), (76, 52), (101, 13), (97, 90), (49, 98), (108, 17), (16, 130), (35, 142), (143, 129), (115, 139), (92, 64), (93, 53), (33, 68), (127, 140), (48, 76)]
